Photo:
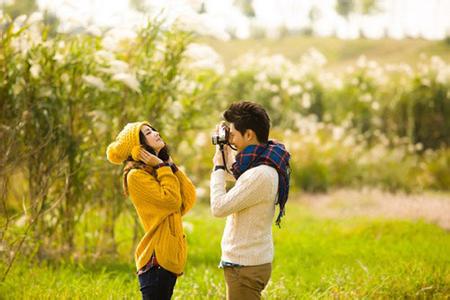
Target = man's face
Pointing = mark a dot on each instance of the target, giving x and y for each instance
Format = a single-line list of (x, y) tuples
[(237, 139)]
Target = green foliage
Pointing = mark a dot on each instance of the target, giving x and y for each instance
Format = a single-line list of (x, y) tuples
[(365, 7), (246, 7), (345, 7), (438, 164), (367, 126), (19, 7), (64, 98)]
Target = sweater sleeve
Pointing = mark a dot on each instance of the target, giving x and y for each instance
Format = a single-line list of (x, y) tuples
[(163, 191), (187, 189), (247, 191)]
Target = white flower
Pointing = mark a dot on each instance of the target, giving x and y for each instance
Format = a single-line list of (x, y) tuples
[(201, 140), (19, 22), (58, 57), (276, 102), (187, 86), (176, 109), (204, 57), (103, 55), (366, 98), (94, 30), (35, 70), (261, 76), (309, 85), (306, 100), (274, 88), (375, 105), (426, 81), (94, 81), (116, 67), (22, 221), (61, 45), (115, 38), (65, 77), (338, 133), (35, 17), (294, 90), (313, 59), (129, 80), (362, 61)]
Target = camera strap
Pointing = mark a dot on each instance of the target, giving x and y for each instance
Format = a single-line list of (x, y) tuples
[(221, 146)]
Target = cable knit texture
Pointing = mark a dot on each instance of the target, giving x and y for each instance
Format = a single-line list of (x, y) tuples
[(249, 207), (160, 202), (126, 143)]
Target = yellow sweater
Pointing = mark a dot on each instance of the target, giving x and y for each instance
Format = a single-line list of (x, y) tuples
[(160, 202)]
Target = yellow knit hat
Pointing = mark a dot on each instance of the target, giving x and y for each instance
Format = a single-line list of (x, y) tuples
[(126, 143)]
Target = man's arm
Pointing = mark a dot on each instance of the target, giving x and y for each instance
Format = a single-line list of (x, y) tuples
[(251, 187)]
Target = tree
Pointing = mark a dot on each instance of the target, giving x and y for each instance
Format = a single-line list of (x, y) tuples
[(138, 5), (345, 7), (22, 7), (246, 7), (313, 15)]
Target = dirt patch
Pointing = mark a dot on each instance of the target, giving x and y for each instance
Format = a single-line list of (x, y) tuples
[(431, 207)]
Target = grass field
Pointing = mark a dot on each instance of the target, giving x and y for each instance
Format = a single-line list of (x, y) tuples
[(316, 257), (339, 53)]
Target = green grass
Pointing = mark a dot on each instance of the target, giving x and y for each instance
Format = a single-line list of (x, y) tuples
[(339, 53), (315, 258)]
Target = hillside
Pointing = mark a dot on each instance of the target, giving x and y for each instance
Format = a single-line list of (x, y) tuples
[(339, 53)]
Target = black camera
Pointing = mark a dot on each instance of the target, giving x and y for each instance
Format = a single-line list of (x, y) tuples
[(222, 136)]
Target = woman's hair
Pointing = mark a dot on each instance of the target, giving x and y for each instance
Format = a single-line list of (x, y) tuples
[(130, 163), (248, 115)]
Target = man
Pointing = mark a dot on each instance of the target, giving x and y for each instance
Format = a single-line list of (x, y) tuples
[(261, 170)]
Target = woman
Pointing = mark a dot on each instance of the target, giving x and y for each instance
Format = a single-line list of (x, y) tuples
[(161, 194)]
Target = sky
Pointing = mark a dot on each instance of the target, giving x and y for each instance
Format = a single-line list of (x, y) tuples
[(398, 18)]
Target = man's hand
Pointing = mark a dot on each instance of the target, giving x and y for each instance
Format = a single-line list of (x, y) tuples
[(149, 159), (218, 160), (229, 157)]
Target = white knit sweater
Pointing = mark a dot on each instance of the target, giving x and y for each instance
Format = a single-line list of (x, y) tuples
[(249, 207)]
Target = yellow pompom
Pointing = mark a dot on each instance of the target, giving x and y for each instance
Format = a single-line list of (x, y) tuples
[(126, 144)]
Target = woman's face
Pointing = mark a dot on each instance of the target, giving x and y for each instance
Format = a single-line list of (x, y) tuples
[(152, 138)]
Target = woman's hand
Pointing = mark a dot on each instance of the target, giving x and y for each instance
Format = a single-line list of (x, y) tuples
[(149, 159)]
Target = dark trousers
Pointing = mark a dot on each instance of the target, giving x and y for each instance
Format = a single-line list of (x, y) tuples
[(157, 283)]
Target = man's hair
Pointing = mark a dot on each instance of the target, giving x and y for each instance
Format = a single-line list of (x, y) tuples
[(248, 115)]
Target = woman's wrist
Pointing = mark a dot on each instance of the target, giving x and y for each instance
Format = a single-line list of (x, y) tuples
[(167, 164), (161, 164)]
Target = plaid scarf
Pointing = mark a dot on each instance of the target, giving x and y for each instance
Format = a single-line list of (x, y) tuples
[(271, 154)]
